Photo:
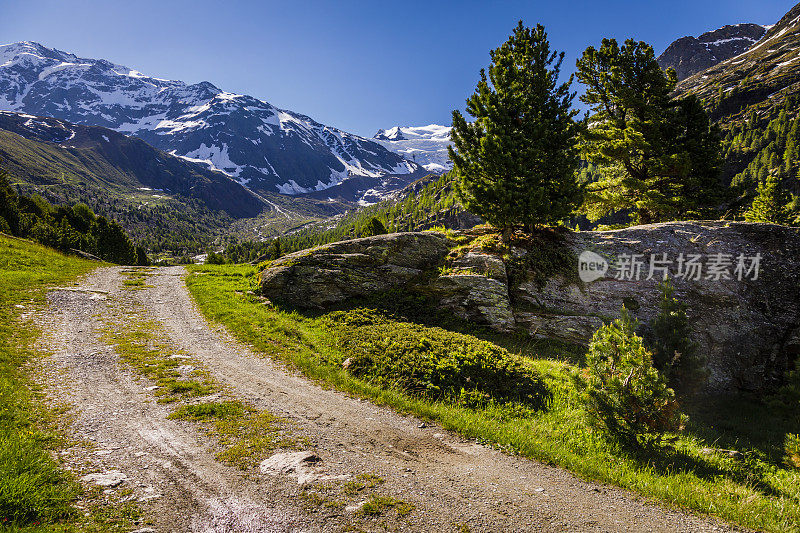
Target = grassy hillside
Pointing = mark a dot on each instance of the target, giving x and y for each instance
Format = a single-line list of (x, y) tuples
[(163, 202)]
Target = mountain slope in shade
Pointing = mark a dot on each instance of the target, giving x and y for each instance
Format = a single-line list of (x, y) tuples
[(263, 147), (106, 159), (425, 145), (165, 203), (690, 55)]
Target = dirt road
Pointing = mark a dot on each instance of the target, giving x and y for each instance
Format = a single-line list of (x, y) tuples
[(454, 485)]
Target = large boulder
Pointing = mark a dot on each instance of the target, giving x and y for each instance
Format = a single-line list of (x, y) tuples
[(338, 272), (747, 325)]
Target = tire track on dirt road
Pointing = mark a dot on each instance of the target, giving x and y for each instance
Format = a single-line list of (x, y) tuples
[(451, 482)]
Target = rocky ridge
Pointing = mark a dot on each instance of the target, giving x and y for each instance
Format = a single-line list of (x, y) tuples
[(690, 55)]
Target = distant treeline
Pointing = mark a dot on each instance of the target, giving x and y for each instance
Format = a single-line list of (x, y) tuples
[(65, 228)]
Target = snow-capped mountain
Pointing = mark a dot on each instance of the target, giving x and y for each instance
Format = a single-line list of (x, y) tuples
[(259, 145), (425, 145), (690, 55)]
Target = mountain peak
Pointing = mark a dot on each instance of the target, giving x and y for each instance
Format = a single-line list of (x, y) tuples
[(31, 51), (392, 134), (257, 144), (690, 55), (425, 145)]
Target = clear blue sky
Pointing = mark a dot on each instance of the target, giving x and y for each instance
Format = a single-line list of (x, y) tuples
[(356, 65)]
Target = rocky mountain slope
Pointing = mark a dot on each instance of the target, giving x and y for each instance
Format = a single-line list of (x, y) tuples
[(758, 80), (261, 146), (425, 145), (689, 55)]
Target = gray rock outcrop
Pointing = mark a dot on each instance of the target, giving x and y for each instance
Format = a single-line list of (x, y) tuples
[(349, 269), (740, 282), (690, 55)]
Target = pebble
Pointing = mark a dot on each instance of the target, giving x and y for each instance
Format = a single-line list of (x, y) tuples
[(112, 478), (355, 508)]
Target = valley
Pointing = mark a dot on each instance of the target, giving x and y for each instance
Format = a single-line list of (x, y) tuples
[(567, 303)]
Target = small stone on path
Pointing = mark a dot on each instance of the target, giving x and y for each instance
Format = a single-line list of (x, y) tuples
[(112, 478)]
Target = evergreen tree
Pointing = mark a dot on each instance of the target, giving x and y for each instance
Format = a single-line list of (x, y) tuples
[(374, 227), (771, 202), (623, 392), (675, 355), (515, 164), (141, 257), (111, 243), (657, 158), (9, 207)]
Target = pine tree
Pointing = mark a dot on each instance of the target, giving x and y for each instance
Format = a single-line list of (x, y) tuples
[(675, 355), (374, 227), (623, 392), (770, 203), (9, 206), (515, 164), (657, 158)]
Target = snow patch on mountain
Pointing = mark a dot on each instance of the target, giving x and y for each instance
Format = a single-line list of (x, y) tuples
[(251, 140), (424, 145)]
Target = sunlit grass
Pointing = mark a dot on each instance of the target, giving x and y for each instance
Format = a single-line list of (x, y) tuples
[(756, 492), (35, 493), (243, 435)]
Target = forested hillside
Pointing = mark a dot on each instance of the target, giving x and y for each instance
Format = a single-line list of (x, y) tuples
[(753, 97), (427, 203), (66, 228), (164, 202)]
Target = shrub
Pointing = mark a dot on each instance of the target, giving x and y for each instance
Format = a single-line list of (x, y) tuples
[(623, 393), (792, 457), (432, 362), (788, 395), (214, 258), (675, 355)]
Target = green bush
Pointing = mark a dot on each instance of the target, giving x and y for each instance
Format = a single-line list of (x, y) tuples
[(623, 392), (214, 258), (792, 457), (432, 362), (675, 355), (788, 396)]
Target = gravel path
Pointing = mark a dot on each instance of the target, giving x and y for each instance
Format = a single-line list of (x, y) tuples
[(169, 465)]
